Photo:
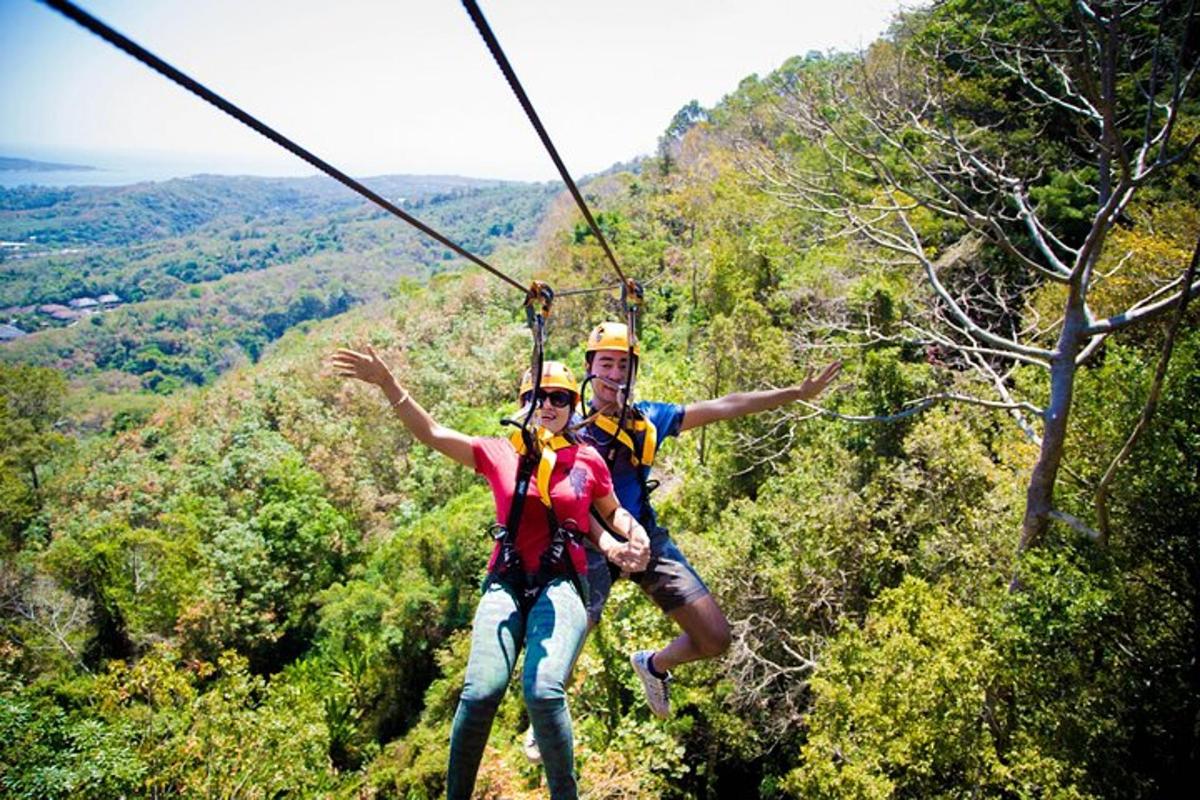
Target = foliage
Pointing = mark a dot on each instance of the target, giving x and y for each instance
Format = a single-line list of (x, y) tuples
[(32, 405), (917, 660)]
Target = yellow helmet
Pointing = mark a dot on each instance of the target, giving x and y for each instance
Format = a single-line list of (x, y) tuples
[(610, 336), (555, 375)]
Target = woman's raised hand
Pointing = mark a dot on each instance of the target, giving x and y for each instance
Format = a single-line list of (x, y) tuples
[(366, 367), (812, 387)]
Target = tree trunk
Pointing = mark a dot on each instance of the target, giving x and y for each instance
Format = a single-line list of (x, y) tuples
[(1039, 497)]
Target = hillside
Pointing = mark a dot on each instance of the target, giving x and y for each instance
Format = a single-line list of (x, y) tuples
[(158, 286)]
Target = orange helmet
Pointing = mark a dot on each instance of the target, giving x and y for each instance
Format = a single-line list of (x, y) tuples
[(555, 375), (610, 336)]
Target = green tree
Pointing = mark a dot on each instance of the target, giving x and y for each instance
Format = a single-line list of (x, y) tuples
[(915, 150), (32, 407)]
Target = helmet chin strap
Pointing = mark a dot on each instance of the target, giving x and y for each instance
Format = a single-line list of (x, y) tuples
[(622, 389), (632, 297)]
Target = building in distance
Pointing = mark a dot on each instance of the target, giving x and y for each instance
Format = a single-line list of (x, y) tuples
[(8, 332)]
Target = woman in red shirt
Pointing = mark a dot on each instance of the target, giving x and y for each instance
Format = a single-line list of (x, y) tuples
[(534, 594)]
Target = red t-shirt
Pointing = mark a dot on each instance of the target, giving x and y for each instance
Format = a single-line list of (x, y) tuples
[(580, 476)]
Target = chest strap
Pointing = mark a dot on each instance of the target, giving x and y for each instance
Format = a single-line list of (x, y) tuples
[(640, 425), (550, 444)]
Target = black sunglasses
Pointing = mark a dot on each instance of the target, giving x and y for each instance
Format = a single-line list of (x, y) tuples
[(557, 399)]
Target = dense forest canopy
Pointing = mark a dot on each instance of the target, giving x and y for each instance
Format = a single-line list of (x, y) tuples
[(974, 571)]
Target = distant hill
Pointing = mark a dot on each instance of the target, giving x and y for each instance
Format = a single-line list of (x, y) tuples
[(122, 215), (25, 165), (210, 270)]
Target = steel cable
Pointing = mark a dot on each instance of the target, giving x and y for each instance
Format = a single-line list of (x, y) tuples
[(114, 38), (502, 61)]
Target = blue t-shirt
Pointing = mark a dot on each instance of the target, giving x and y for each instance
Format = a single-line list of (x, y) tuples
[(627, 483)]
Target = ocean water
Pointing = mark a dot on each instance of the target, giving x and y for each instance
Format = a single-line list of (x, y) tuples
[(12, 178), (121, 169)]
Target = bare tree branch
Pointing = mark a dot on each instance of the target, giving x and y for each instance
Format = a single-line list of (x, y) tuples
[(1075, 523), (1143, 314), (920, 404), (897, 158), (1160, 374)]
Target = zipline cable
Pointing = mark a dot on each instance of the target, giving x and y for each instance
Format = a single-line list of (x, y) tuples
[(589, 290), (97, 27), (502, 61)]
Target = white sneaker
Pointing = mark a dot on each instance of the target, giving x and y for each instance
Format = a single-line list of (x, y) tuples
[(658, 690), (532, 751)]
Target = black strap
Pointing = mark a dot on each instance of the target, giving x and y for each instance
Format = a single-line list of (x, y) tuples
[(632, 296), (525, 470), (556, 558), (508, 566)]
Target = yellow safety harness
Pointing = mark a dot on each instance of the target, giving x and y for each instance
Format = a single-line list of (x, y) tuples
[(637, 425), (549, 443)]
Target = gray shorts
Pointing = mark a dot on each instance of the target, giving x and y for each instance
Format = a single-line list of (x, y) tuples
[(669, 579)]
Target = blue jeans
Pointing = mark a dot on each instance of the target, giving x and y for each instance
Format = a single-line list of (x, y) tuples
[(553, 631)]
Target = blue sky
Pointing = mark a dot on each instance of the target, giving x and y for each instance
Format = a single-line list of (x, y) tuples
[(395, 87)]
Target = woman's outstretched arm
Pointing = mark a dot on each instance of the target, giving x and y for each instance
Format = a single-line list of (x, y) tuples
[(369, 368)]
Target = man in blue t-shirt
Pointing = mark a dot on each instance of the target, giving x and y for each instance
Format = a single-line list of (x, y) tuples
[(669, 579)]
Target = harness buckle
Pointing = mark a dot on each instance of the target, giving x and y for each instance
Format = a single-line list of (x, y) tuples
[(571, 530), (539, 294), (632, 294)]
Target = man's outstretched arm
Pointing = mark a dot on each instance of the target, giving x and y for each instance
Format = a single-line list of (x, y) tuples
[(739, 404)]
